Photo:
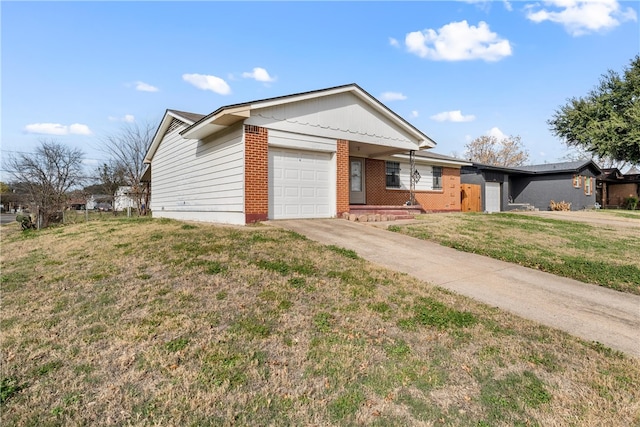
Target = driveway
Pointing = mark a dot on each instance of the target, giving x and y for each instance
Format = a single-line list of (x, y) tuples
[(590, 312)]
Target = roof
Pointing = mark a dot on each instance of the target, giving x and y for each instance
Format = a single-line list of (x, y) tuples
[(433, 159), (227, 115), (633, 171), (169, 115), (541, 169), (431, 155), (557, 167), (191, 117)]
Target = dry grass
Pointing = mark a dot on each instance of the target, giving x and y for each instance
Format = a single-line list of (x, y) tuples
[(139, 322)]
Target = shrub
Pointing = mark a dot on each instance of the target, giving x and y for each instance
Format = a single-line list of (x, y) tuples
[(631, 202)]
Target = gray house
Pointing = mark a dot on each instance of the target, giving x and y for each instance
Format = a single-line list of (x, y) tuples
[(535, 186)]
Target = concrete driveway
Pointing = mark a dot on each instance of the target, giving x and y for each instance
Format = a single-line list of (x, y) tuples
[(590, 312)]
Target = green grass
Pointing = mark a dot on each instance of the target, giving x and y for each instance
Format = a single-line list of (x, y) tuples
[(157, 322), (591, 254)]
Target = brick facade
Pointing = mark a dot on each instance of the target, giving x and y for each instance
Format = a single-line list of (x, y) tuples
[(617, 193), (342, 178), (445, 200), (256, 174)]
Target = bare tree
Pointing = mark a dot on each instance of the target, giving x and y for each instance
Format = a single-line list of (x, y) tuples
[(489, 150), (46, 177), (127, 148)]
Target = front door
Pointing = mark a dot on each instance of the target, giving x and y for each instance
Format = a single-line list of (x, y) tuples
[(356, 181)]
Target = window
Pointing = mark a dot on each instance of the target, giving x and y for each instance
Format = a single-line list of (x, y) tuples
[(588, 190), (576, 181), (437, 178), (393, 175)]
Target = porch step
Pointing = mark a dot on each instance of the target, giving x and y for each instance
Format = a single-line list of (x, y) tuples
[(370, 213), (521, 207)]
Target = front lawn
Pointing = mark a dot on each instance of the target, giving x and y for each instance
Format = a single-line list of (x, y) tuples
[(156, 322), (603, 255)]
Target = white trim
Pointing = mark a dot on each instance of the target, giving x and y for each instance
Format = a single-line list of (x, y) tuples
[(432, 161), (296, 141), (160, 133), (217, 122)]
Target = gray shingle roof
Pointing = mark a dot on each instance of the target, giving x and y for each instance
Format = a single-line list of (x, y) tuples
[(431, 155), (193, 117), (555, 167)]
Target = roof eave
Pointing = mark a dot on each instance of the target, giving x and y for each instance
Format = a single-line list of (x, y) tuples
[(435, 161), (217, 121)]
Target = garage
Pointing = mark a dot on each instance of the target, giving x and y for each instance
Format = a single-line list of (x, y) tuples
[(300, 184), (492, 197)]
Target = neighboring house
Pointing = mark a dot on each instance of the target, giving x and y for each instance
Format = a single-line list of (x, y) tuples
[(613, 187), (308, 155), (124, 199), (99, 202), (533, 187)]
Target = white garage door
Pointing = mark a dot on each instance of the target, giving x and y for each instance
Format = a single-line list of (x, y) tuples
[(492, 197), (299, 184)]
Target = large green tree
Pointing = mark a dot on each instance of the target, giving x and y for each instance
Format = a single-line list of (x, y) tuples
[(606, 122)]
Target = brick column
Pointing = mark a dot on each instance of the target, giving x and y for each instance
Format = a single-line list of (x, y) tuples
[(342, 177), (256, 174)]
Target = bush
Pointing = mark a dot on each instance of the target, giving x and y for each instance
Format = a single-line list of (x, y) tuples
[(631, 202)]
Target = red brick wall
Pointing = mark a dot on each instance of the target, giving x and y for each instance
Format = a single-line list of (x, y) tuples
[(342, 178), (447, 199), (256, 174)]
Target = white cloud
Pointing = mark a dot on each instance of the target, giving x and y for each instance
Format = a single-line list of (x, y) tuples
[(485, 4), (127, 118), (414, 113), (145, 87), (458, 41), (392, 96), (79, 129), (259, 74), (581, 17), (89, 162), (494, 131), (393, 42), (57, 129), (453, 116), (207, 82)]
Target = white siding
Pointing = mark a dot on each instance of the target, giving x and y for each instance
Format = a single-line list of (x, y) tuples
[(301, 142), (341, 116), (193, 179), (426, 176)]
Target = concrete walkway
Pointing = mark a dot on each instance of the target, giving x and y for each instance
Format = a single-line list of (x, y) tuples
[(590, 312)]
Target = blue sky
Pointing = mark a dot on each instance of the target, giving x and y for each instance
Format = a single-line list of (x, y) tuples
[(78, 71)]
